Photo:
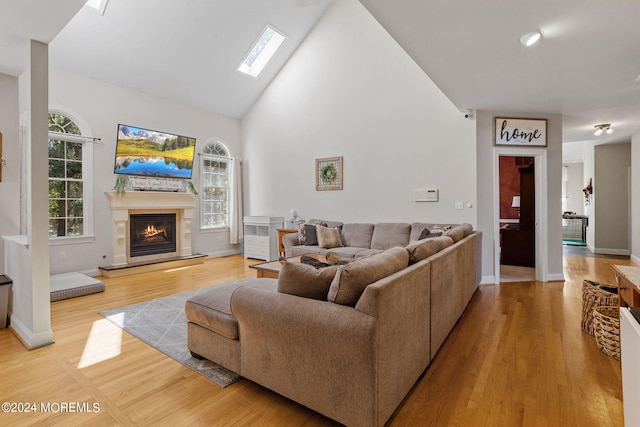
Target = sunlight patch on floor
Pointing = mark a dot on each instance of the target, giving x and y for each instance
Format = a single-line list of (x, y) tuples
[(104, 341)]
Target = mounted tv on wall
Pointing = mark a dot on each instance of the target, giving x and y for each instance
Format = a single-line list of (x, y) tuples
[(146, 152)]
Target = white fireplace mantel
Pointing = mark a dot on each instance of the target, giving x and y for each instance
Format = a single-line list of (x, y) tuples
[(123, 204)]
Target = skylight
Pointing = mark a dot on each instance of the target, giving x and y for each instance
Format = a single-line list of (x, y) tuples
[(262, 51), (97, 5)]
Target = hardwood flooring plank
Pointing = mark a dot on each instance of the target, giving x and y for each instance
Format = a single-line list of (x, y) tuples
[(517, 357)]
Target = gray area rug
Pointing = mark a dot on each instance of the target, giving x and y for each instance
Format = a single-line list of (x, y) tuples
[(162, 324)]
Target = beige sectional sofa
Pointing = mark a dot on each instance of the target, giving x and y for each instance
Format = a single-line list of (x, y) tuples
[(354, 354), (363, 239)]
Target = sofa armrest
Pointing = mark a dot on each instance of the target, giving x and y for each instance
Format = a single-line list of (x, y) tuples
[(288, 241), (402, 304), (309, 350)]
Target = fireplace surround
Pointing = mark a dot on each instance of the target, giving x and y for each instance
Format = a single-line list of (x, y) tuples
[(134, 203)]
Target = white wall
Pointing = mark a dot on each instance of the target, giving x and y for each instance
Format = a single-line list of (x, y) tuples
[(10, 186), (485, 139), (102, 106), (611, 185), (635, 198), (589, 172), (351, 91), (575, 176)]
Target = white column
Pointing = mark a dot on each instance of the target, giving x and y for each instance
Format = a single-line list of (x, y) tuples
[(27, 258)]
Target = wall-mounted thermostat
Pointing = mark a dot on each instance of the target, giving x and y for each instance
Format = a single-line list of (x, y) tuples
[(425, 195)]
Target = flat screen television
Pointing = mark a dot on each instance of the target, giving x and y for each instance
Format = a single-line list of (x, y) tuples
[(145, 152)]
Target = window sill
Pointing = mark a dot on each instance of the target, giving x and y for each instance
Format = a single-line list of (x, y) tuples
[(214, 229), (58, 241)]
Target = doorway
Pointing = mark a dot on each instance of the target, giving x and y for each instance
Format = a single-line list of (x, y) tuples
[(538, 222), (517, 218)]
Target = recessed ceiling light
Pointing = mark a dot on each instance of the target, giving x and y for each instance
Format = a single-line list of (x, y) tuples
[(530, 39), (638, 78), (262, 51)]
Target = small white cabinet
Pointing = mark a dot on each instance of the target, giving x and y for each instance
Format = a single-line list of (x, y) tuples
[(261, 237)]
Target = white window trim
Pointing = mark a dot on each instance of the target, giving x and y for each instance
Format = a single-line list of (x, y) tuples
[(229, 158), (87, 173), (203, 157)]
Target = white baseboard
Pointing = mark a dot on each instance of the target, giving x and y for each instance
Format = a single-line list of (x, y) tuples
[(635, 259), (608, 251), (488, 280), (94, 272), (222, 253), (559, 277), (30, 339)]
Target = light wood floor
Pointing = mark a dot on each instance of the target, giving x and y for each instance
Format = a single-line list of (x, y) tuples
[(516, 358)]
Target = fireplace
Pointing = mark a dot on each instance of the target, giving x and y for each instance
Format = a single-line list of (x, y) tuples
[(151, 234), (134, 203)]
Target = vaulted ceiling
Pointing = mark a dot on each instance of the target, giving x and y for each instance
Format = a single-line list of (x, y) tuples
[(585, 67)]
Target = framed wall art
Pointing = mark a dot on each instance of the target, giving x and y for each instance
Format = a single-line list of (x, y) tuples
[(521, 132), (329, 174)]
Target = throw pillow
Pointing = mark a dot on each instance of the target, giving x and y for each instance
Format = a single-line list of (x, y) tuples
[(311, 235), (456, 233), (351, 280), (314, 262), (426, 233), (302, 233), (305, 281), (335, 259), (425, 248), (328, 237), (302, 230)]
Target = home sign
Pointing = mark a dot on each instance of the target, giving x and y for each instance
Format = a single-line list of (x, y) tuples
[(522, 132)]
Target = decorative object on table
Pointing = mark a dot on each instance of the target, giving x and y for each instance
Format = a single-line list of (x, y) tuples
[(595, 295), (329, 174), (520, 132), (294, 220), (606, 325)]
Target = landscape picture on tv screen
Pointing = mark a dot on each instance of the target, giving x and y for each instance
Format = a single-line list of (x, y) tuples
[(145, 152)]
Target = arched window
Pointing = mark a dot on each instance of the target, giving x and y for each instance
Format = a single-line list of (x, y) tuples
[(69, 186), (217, 185)]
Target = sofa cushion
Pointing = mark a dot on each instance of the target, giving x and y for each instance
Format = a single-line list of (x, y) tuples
[(305, 280), (467, 228), (357, 235), (326, 223), (456, 233), (352, 279), (367, 252), (389, 235), (328, 237), (212, 308), (423, 249)]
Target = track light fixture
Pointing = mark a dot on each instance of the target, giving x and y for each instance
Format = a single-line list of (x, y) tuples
[(605, 127)]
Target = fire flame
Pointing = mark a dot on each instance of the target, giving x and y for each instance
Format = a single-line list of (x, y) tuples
[(152, 233)]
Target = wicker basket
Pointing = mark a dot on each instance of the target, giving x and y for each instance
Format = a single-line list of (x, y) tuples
[(606, 323), (594, 296)]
